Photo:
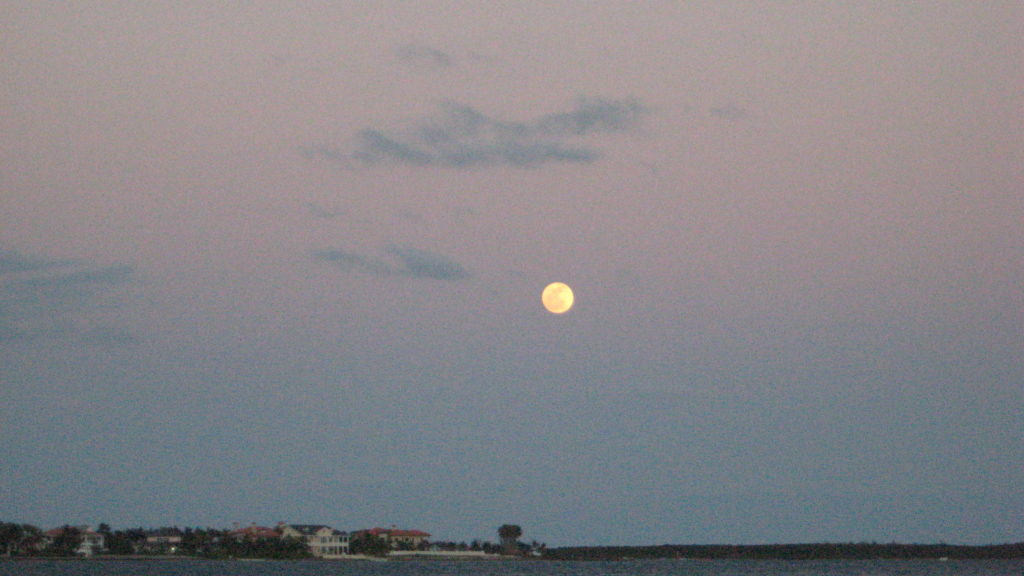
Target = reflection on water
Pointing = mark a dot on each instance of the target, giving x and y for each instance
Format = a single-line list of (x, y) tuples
[(515, 568)]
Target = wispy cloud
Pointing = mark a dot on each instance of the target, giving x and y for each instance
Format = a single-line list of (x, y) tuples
[(78, 281), (320, 212), (422, 264), (406, 262), (460, 136), (729, 112), (106, 336), (422, 55), (592, 115), (324, 152), (352, 262), (13, 262), (40, 297)]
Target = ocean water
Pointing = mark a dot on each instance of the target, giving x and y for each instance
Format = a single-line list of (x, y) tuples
[(516, 568)]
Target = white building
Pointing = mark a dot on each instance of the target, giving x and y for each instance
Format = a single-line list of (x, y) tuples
[(323, 541), (91, 542)]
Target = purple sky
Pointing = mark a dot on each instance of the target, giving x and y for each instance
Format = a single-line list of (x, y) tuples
[(266, 262)]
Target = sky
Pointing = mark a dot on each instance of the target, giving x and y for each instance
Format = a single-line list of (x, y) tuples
[(268, 261)]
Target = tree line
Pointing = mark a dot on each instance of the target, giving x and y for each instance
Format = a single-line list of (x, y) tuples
[(29, 540), (813, 551)]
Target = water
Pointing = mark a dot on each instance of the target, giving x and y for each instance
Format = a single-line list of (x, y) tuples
[(516, 568)]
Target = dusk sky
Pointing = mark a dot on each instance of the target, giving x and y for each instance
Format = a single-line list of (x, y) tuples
[(268, 262)]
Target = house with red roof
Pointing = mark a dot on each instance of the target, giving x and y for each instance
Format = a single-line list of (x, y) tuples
[(254, 532), (92, 542), (398, 539)]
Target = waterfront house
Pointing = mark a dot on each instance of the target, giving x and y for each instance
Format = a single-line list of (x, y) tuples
[(399, 539), (92, 542), (253, 532), (323, 541), (163, 540)]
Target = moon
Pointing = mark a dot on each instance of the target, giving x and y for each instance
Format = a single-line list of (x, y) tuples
[(557, 298)]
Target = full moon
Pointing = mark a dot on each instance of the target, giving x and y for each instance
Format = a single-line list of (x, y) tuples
[(557, 298)]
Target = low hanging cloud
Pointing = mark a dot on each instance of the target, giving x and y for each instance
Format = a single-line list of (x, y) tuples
[(352, 262), (421, 55), (422, 264), (461, 136), (406, 262), (729, 112), (11, 261), (323, 213), (40, 297)]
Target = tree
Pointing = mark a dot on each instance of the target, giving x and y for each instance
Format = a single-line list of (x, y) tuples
[(10, 536), (18, 539), (119, 543), (198, 541), (509, 534), (369, 545), (107, 533), (31, 539), (65, 543)]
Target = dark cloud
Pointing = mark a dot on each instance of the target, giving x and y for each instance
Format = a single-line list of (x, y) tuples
[(14, 262), (76, 280), (411, 263), (320, 212), (729, 112), (352, 262), (105, 336), (375, 145), (324, 152), (593, 116), (422, 264), (420, 55), (461, 136), (41, 297)]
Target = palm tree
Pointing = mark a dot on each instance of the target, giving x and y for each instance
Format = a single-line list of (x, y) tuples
[(509, 534), (10, 535)]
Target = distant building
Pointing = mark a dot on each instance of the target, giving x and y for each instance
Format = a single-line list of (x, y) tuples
[(164, 540), (254, 532), (92, 542), (399, 539), (323, 541)]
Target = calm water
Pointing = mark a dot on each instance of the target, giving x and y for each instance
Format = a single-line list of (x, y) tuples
[(506, 568)]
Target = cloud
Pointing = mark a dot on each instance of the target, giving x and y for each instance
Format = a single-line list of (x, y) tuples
[(14, 262), (420, 55), (324, 152), (592, 116), (409, 263), (422, 264), (323, 213), (76, 281), (105, 336), (460, 136), (729, 112), (375, 145), (351, 262), (45, 297)]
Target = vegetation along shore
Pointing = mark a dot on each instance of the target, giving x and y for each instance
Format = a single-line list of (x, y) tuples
[(316, 541)]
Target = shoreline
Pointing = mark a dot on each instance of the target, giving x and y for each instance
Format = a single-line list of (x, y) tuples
[(807, 551), (410, 556)]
